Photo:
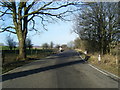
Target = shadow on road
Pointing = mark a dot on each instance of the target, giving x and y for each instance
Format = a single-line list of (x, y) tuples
[(38, 70)]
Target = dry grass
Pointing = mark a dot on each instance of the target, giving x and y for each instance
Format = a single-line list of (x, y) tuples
[(81, 53), (108, 63)]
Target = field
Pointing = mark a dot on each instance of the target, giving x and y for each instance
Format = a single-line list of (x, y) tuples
[(9, 57)]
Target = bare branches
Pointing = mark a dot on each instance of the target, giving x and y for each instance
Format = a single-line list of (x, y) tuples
[(31, 5), (31, 18), (22, 12), (98, 23), (6, 29), (45, 6), (33, 26), (4, 12), (56, 8), (42, 22), (6, 5), (42, 9)]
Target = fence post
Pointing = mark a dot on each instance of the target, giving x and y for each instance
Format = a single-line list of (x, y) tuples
[(117, 58), (99, 59)]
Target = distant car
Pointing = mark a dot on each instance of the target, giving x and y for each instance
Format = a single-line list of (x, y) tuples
[(61, 49)]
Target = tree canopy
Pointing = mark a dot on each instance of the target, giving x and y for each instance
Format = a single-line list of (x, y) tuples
[(97, 23)]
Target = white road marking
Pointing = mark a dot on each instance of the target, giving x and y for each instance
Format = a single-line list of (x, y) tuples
[(104, 72), (79, 55), (101, 71), (98, 69), (113, 75)]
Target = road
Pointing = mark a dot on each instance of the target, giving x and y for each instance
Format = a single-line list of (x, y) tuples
[(63, 70)]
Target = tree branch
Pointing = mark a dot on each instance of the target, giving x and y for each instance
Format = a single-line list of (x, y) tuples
[(42, 22), (29, 7), (31, 18), (4, 12), (33, 27), (6, 4), (56, 15), (58, 7), (6, 29), (43, 8)]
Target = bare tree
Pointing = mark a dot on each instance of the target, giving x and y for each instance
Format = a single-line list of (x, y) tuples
[(57, 46), (28, 43), (97, 23), (51, 45), (10, 42), (45, 46), (24, 13)]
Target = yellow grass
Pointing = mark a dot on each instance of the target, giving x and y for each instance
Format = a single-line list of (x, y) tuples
[(108, 63)]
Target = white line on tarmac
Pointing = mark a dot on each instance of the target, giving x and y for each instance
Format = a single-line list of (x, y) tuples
[(79, 55), (98, 69), (101, 71), (104, 72), (113, 75)]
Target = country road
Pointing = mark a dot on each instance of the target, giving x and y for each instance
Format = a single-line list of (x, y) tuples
[(63, 70)]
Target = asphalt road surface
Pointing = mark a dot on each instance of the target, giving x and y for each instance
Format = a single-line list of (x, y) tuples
[(64, 70)]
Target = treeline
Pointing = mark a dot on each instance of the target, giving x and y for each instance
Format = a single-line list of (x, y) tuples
[(98, 27), (46, 45), (12, 44), (53, 46)]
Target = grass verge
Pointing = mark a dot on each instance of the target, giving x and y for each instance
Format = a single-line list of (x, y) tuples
[(108, 62)]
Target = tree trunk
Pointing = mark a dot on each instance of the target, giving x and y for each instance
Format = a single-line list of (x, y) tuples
[(22, 33), (22, 49)]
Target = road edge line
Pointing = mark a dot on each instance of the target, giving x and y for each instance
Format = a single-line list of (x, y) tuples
[(104, 72), (98, 69)]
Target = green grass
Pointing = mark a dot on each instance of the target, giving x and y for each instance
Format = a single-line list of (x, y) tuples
[(4, 48), (10, 62)]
